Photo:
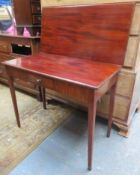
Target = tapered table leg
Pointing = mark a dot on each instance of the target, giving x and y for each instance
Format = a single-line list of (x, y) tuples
[(13, 95), (112, 97), (91, 127), (44, 97), (40, 98)]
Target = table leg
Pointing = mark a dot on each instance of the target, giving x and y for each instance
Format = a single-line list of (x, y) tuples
[(13, 95), (44, 97), (91, 127), (40, 98), (112, 99)]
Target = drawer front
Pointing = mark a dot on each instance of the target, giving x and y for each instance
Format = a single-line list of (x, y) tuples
[(24, 84), (131, 52), (121, 107), (135, 28), (36, 8), (25, 76), (23, 80), (36, 19), (136, 95), (4, 47), (67, 89), (125, 84)]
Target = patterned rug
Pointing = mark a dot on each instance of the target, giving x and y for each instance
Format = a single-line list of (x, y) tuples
[(37, 124)]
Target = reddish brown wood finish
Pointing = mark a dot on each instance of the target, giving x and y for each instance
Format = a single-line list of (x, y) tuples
[(84, 72), (44, 97), (91, 126), (13, 95), (76, 41), (97, 32)]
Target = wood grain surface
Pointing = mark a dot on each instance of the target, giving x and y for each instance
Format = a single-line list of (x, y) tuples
[(97, 32), (78, 71)]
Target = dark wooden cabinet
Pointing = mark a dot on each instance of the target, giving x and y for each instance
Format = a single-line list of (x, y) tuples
[(28, 14)]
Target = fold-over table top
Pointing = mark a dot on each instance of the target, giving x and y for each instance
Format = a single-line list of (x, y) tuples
[(84, 45), (84, 72)]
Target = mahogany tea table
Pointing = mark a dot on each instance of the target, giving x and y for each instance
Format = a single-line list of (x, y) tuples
[(81, 53)]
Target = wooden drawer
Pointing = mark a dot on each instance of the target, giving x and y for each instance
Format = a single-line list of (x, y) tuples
[(136, 95), (4, 47), (125, 83), (121, 108), (66, 89), (135, 28), (36, 19), (25, 84), (124, 107), (36, 8), (131, 52), (73, 92)]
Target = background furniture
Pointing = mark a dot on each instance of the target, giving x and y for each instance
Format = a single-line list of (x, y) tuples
[(9, 45), (127, 97), (28, 14), (21, 37)]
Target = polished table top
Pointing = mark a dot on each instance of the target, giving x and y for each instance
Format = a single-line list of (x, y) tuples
[(84, 72)]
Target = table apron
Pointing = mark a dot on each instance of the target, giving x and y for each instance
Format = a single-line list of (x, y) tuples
[(69, 90)]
